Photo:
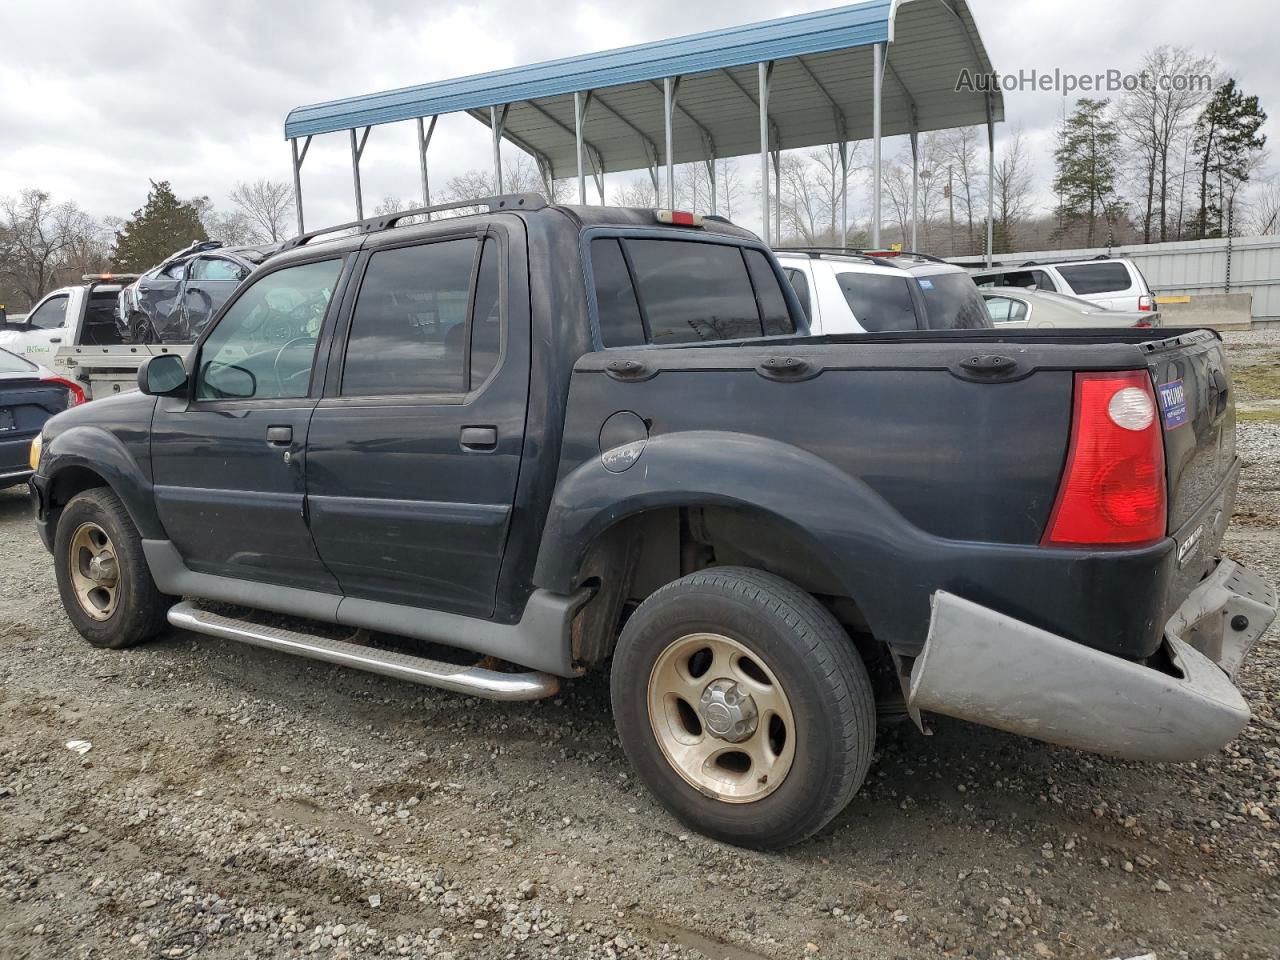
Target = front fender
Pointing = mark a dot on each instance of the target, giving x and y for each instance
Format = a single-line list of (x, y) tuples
[(101, 451), (858, 536)]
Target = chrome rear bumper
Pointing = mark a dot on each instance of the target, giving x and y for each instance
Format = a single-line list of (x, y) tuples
[(983, 666)]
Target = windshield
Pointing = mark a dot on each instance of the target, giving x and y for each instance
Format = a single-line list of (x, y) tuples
[(953, 302)]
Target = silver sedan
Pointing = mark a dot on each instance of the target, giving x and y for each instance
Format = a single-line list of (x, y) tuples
[(1022, 307)]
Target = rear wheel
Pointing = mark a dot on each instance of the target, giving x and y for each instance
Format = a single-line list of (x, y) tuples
[(103, 578), (743, 705), (141, 330)]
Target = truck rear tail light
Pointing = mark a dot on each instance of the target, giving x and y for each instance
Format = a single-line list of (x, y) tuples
[(75, 393), (679, 218), (1146, 303), (1113, 488)]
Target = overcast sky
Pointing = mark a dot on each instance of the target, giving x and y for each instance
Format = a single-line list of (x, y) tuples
[(91, 105)]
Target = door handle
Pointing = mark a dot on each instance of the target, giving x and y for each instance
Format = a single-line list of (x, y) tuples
[(479, 438), (280, 435)]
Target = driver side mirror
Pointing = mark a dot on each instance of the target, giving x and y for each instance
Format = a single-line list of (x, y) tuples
[(162, 375)]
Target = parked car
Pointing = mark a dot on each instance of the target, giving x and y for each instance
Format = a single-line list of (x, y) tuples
[(1025, 307), (859, 292), (1113, 283), (574, 438), (29, 395), (172, 302)]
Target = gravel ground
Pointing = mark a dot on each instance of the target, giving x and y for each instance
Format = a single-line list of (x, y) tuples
[(241, 804)]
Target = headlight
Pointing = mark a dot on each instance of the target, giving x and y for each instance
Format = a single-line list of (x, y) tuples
[(37, 445)]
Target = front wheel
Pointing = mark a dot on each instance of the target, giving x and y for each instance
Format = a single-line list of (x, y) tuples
[(742, 704), (103, 578)]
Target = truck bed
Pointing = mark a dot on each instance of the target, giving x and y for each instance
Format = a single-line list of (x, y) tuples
[(948, 459)]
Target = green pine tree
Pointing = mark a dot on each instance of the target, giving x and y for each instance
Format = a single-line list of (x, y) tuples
[(1226, 145), (163, 225), (1088, 159)]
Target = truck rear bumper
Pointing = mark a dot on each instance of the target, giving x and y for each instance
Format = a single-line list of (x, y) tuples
[(989, 668)]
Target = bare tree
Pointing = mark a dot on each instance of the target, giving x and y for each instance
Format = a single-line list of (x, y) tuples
[(1264, 209), (268, 205), (638, 192), (1157, 116), (958, 161), (729, 186), (1012, 184), (43, 243), (805, 212)]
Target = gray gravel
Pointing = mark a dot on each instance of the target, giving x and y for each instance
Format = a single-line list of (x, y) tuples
[(240, 804)]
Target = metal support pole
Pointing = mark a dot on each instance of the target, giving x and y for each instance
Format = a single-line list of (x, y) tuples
[(357, 151), (297, 177), (777, 193), (497, 122), (991, 180), (424, 141), (915, 189), (844, 194), (763, 71), (669, 85), (711, 175), (877, 81), (581, 149)]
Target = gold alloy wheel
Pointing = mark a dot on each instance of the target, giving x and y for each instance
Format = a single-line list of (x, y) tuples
[(721, 718), (95, 571)]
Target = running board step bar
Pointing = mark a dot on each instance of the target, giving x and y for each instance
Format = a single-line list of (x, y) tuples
[(476, 681)]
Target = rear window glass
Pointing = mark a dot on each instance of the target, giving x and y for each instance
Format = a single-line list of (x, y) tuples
[(12, 363), (684, 291), (879, 301), (953, 302), (1097, 277)]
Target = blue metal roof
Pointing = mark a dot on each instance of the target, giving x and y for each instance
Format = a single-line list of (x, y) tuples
[(789, 37)]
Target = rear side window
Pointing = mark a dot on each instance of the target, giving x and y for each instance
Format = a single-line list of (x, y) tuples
[(800, 283), (879, 301), (409, 326), (953, 302), (684, 291), (1086, 278)]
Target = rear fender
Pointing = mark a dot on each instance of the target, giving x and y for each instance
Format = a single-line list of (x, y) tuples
[(846, 526)]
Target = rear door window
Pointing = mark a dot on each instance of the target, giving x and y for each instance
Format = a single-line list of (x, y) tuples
[(684, 291), (1087, 278), (879, 301), (409, 327), (800, 283)]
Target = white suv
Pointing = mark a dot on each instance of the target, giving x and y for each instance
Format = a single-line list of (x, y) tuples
[(872, 292), (1113, 283)]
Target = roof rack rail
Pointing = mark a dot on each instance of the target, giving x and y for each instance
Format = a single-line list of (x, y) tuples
[(509, 201), (1042, 263), (882, 257)]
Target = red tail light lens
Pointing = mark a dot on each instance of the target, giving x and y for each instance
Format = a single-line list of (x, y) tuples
[(1146, 303), (1113, 489), (75, 393)]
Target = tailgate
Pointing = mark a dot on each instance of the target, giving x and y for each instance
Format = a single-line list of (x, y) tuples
[(1193, 393)]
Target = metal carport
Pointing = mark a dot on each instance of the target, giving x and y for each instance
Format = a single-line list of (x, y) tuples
[(866, 71)]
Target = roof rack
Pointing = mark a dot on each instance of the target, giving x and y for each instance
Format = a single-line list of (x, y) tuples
[(509, 201), (884, 258), (1041, 263)]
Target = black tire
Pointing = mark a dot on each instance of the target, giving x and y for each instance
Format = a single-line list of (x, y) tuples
[(821, 675), (141, 331), (139, 608)]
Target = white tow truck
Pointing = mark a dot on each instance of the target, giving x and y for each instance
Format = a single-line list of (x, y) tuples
[(73, 331)]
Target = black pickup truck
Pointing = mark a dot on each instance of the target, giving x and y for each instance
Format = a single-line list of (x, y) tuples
[(561, 437)]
